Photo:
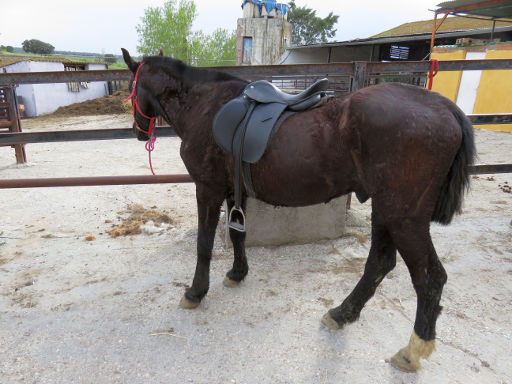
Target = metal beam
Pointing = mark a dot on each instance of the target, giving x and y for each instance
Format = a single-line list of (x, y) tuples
[(490, 168), (63, 76), (94, 181), (491, 118), (161, 179), (262, 71), (78, 135)]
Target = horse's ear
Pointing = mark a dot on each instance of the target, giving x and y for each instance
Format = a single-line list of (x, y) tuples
[(132, 65), (161, 52)]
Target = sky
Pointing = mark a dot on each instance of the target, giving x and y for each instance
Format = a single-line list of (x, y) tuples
[(104, 26)]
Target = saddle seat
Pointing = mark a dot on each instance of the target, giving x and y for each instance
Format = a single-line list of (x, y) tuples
[(265, 92)]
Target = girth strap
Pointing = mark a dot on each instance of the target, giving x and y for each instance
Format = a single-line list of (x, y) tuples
[(238, 148)]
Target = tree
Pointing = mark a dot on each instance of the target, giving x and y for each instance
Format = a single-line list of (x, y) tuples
[(219, 48), (307, 28), (168, 28), (37, 46)]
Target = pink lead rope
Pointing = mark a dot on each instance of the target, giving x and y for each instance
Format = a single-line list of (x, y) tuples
[(150, 144)]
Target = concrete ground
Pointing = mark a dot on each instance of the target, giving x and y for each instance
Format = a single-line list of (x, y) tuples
[(78, 306)]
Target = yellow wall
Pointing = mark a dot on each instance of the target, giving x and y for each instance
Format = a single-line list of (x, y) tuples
[(495, 91), (447, 82)]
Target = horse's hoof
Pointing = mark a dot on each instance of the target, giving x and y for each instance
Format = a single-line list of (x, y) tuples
[(187, 304), (230, 283), (408, 358), (329, 322), (403, 361)]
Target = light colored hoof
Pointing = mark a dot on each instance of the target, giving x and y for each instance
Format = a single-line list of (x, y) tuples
[(230, 283), (328, 321), (403, 361), (408, 358), (187, 304)]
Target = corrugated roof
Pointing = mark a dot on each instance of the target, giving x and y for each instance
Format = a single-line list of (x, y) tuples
[(498, 9), (451, 24)]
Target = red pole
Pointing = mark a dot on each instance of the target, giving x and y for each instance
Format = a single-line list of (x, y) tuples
[(95, 180)]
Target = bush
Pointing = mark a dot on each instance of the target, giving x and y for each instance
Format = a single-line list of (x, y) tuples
[(109, 58)]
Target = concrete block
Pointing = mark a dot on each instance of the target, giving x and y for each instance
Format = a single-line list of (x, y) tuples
[(270, 225)]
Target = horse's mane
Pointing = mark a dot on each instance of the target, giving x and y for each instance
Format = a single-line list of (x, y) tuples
[(189, 75)]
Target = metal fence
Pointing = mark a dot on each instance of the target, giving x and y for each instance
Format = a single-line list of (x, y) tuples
[(343, 78)]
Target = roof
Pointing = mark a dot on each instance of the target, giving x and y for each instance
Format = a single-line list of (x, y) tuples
[(451, 24), (403, 38), (498, 9), (13, 59)]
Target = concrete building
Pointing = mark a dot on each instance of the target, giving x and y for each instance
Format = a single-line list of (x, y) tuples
[(263, 33), (40, 99)]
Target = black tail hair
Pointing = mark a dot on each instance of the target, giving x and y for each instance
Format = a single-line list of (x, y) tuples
[(457, 180)]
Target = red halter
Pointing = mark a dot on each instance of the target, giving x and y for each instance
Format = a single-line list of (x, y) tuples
[(136, 106)]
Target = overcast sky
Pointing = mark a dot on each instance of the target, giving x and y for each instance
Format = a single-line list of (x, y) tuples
[(104, 26)]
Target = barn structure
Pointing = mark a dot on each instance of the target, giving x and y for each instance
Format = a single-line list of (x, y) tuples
[(40, 99), (406, 42), (457, 38)]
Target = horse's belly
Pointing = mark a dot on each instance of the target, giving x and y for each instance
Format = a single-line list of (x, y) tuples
[(297, 182)]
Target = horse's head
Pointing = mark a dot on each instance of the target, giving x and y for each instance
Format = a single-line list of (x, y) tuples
[(145, 106)]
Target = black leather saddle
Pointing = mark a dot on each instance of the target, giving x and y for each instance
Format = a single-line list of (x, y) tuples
[(244, 126)]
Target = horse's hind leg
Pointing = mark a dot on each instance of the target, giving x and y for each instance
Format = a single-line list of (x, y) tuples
[(381, 260), (240, 266), (428, 277), (208, 211)]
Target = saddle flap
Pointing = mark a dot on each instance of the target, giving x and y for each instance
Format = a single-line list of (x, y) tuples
[(227, 120), (259, 130)]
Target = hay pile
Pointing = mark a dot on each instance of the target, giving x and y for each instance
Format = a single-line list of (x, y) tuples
[(137, 217), (107, 105)]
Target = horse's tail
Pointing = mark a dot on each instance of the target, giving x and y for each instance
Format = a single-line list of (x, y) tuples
[(457, 180)]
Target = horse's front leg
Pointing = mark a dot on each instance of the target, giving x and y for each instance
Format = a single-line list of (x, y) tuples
[(240, 267), (208, 210)]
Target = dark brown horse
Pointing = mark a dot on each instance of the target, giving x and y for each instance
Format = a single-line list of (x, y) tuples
[(406, 148)]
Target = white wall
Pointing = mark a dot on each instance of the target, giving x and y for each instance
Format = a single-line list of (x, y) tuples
[(40, 99), (26, 91), (305, 56), (469, 82)]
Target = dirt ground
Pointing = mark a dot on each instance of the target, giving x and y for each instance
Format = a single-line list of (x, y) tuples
[(78, 305)]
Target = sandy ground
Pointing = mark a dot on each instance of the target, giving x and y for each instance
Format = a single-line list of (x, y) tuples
[(106, 310)]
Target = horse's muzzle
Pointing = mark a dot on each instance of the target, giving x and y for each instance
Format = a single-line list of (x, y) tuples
[(141, 136)]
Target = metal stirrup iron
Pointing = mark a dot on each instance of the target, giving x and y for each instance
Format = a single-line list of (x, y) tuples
[(240, 227)]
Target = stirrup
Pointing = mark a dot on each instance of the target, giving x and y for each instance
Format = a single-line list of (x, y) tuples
[(240, 227)]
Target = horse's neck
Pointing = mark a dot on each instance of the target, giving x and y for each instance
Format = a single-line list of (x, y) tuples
[(223, 91), (202, 99)]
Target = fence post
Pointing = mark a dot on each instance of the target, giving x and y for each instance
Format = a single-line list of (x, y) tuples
[(19, 149), (358, 75)]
